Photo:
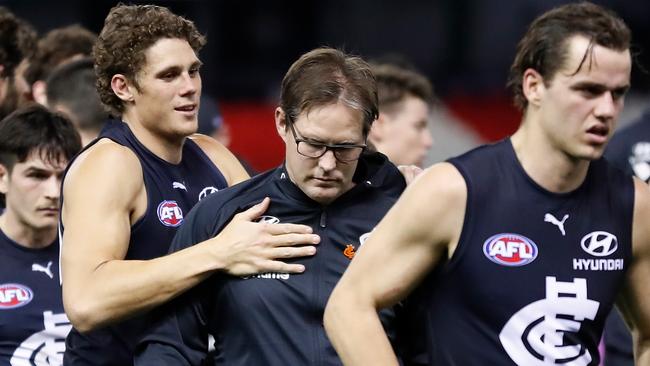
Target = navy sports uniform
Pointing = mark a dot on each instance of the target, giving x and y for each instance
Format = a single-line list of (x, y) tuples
[(629, 150), (33, 325), (172, 190), (535, 273), (272, 318)]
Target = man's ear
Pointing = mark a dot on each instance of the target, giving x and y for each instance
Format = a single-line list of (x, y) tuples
[(281, 123), (4, 179), (39, 92), (122, 88), (533, 86), (378, 129)]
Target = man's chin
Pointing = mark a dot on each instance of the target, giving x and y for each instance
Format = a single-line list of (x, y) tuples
[(323, 195)]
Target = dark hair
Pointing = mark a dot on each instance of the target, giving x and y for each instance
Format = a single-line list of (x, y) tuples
[(395, 83), (544, 47), (57, 47), (324, 76), (129, 30), (72, 85), (35, 129), (17, 41)]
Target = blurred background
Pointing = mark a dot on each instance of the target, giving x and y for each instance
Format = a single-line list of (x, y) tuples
[(465, 47)]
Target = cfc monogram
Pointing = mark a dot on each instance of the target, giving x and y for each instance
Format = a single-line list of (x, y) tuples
[(534, 336)]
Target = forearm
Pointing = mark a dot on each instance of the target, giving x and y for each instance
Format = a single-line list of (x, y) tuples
[(357, 333), (118, 289)]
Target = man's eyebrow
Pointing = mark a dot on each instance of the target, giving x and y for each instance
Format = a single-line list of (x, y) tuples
[(173, 68), (35, 169)]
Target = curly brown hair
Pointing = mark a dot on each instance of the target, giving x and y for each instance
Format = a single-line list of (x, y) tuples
[(544, 47), (17, 41), (58, 46), (129, 30)]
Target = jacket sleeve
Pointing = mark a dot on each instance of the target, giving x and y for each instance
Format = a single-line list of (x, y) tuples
[(179, 333)]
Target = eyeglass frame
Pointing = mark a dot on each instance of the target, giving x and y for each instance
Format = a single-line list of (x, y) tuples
[(328, 147)]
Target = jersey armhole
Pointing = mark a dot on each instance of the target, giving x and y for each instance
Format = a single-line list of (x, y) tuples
[(468, 224)]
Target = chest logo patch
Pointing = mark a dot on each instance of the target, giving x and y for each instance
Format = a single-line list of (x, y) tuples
[(599, 243), (13, 295), (349, 251), (36, 267), (206, 192), (47, 346), (268, 219), (559, 223), (512, 250), (170, 214), (537, 334)]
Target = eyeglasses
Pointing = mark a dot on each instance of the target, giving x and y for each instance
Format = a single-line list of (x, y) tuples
[(344, 153)]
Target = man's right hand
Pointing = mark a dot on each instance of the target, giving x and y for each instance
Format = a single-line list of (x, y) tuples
[(246, 247)]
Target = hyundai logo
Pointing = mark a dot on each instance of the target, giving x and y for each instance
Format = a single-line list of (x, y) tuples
[(599, 243), (268, 219)]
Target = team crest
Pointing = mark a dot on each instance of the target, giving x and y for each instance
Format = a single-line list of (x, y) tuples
[(512, 250), (170, 214)]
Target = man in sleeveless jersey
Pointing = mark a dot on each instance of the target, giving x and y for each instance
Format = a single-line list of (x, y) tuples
[(520, 248), (328, 103), (35, 147), (126, 194), (630, 151)]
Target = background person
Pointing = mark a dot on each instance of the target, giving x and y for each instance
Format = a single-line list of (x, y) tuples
[(35, 147)]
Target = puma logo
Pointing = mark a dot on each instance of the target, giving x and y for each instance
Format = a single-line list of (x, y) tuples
[(179, 185), (47, 270), (560, 224)]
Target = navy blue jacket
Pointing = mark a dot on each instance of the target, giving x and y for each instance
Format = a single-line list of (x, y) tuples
[(272, 318)]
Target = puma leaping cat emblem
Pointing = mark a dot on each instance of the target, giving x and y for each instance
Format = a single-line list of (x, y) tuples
[(560, 224), (47, 270)]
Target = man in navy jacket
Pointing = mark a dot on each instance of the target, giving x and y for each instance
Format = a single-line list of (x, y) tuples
[(328, 182)]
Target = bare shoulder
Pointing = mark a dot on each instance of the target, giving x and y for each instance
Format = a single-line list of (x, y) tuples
[(439, 196), (103, 169), (442, 182), (640, 228), (222, 158)]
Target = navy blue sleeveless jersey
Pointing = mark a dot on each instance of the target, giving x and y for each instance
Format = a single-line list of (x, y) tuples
[(172, 190), (33, 325), (630, 148), (535, 273), (272, 318)]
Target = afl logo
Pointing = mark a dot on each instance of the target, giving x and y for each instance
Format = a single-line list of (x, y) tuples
[(268, 219), (599, 243), (170, 214), (511, 250), (13, 295)]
